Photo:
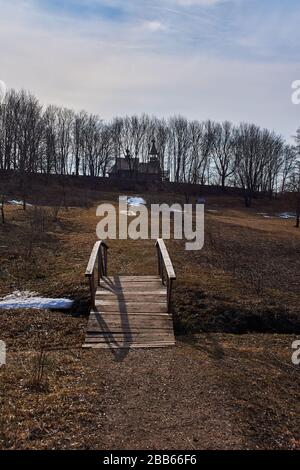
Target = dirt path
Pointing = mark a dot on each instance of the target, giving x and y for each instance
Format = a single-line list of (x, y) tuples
[(166, 400), (212, 391)]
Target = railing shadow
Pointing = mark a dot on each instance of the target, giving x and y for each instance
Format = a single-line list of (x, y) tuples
[(119, 350)]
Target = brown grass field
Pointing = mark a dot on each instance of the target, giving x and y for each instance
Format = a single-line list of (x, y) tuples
[(228, 384)]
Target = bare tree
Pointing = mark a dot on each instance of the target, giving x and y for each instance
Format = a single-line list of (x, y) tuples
[(59, 141), (65, 119), (294, 187), (2, 200), (179, 144), (223, 150), (289, 160), (78, 140)]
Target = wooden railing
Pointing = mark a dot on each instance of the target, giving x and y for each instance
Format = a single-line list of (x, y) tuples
[(99, 253), (165, 268)]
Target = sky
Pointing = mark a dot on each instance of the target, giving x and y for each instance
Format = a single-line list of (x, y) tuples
[(218, 59)]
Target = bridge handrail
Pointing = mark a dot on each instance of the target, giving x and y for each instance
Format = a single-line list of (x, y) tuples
[(165, 266), (99, 252)]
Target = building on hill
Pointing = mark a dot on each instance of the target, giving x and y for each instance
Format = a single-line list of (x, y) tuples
[(130, 167)]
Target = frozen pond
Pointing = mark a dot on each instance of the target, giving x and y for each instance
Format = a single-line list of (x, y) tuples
[(26, 299)]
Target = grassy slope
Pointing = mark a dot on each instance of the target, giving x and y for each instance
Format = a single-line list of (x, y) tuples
[(214, 390)]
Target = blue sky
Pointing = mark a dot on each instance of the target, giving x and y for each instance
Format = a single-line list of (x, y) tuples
[(219, 59)]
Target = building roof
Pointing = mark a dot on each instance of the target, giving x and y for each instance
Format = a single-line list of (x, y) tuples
[(123, 164), (153, 152), (129, 164)]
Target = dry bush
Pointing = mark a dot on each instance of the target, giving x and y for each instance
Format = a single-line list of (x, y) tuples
[(38, 381), (38, 219), (54, 212)]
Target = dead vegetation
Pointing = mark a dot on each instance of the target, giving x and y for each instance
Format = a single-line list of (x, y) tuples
[(56, 396)]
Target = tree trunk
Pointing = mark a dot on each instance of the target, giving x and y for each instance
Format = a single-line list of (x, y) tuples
[(2, 210), (248, 199)]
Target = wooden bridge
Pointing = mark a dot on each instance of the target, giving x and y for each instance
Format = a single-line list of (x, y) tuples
[(129, 311)]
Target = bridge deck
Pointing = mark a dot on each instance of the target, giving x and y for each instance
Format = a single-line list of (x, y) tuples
[(130, 312)]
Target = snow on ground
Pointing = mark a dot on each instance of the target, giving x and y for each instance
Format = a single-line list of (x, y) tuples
[(14, 202), (287, 215), (133, 202), (281, 215), (27, 299), (136, 201)]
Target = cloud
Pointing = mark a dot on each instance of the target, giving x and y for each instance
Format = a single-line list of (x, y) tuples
[(154, 26), (200, 2), (202, 65)]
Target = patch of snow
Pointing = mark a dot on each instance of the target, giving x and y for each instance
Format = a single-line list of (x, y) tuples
[(282, 215), (14, 202), (287, 215), (136, 201), (27, 299), (214, 211)]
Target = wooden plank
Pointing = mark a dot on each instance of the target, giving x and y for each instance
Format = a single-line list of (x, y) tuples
[(93, 258), (121, 334), (131, 279), (142, 289), (166, 258), (117, 278), (128, 307), (132, 297), (161, 344), (137, 320), (105, 315), (129, 344), (113, 329), (110, 327), (136, 316), (128, 338), (131, 312), (131, 335), (157, 284), (140, 332), (132, 318)]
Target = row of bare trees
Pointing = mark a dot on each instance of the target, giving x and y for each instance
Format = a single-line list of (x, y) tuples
[(58, 140)]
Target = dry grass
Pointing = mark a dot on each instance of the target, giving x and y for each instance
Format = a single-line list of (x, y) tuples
[(213, 390)]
